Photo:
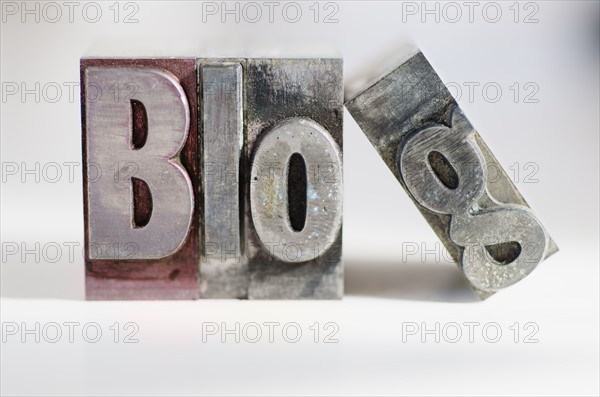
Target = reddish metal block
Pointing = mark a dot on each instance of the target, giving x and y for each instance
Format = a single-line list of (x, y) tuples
[(130, 274)]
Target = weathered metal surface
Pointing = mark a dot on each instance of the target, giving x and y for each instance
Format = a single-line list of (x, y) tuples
[(269, 201), (422, 135), (223, 270), (140, 226), (283, 96), (109, 145), (283, 243)]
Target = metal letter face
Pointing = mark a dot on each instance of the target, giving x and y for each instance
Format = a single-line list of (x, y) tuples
[(109, 127), (442, 162), (126, 177), (269, 197)]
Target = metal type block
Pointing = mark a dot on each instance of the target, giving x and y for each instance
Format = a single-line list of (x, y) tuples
[(223, 269), (139, 123), (293, 188), (444, 165)]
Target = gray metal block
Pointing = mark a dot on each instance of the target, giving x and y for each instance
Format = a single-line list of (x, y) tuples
[(294, 106), (441, 161), (223, 268)]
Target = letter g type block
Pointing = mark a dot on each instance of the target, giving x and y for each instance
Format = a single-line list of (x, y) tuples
[(444, 165)]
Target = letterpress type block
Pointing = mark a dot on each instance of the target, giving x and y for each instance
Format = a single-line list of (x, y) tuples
[(140, 172), (456, 182), (223, 268), (293, 188)]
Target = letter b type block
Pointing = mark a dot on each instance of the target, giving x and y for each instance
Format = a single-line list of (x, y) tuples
[(232, 193)]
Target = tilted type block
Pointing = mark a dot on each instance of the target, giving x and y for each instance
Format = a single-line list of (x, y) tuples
[(140, 172), (444, 165)]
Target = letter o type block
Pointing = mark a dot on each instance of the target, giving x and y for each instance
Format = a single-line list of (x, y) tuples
[(444, 165), (293, 209), (139, 122)]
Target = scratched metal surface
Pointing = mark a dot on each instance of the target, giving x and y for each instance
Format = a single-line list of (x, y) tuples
[(275, 90), (411, 98), (172, 277), (223, 268), (109, 131), (311, 232)]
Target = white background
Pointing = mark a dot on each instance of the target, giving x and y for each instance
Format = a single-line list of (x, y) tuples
[(386, 291)]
